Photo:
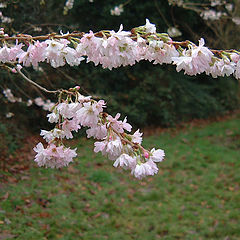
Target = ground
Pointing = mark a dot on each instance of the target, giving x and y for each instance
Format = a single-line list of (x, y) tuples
[(194, 196)]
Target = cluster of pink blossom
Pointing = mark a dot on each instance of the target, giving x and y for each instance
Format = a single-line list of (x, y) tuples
[(212, 15), (117, 10), (216, 14), (114, 49), (74, 111), (211, 10), (194, 59), (45, 104), (10, 97), (68, 6), (3, 18), (54, 156), (200, 59)]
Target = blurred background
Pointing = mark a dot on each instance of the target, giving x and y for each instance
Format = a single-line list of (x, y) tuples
[(151, 96)]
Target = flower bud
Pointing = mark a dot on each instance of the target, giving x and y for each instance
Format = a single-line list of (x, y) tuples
[(146, 154)]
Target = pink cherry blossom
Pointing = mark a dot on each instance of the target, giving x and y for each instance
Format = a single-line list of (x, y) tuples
[(145, 169), (137, 137), (51, 135), (70, 125), (150, 28), (98, 132), (88, 115), (114, 148), (117, 125), (157, 155), (221, 67), (14, 51), (53, 117), (125, 161), (68, 110), (195, 60), (100, 146), (53, 156), (39, 101)]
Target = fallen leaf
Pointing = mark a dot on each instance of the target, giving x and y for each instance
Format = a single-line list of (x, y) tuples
[(43, 202), (4, 236), (185, 140), (229, 132), (44, 215), (97, 215), (12, 179), (25, 178), (5, 196)]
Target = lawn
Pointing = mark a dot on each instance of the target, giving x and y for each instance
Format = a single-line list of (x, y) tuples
[(196, 194)]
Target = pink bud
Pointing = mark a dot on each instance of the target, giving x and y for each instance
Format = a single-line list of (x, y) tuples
[(146, 154), (14, 70), (77, 87)]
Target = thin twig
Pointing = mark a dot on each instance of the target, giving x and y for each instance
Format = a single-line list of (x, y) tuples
[(35, 84), (32, 26), (43, 37), (76, 82), (162, 15)]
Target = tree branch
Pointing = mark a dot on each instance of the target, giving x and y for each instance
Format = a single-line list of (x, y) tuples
[(35, 84)]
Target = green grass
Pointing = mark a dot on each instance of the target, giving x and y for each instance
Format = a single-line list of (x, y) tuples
[(196, 194)]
